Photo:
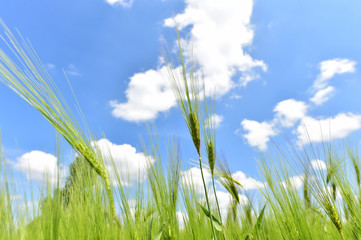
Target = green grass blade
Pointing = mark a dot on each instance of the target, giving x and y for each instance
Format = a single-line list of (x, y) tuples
[(259, 220), (217, 224)]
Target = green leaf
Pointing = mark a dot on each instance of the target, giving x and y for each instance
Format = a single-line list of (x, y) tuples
[(259, 220), (150, 230), (216, 223), (217, 226), (236, 182), (160, 233)]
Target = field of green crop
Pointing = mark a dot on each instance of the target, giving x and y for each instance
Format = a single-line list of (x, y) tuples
[(89, 206)]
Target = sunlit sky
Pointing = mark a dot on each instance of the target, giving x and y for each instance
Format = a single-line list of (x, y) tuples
[(275, 67)]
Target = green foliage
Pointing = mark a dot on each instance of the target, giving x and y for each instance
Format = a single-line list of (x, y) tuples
[(216, 222), (30, 80)]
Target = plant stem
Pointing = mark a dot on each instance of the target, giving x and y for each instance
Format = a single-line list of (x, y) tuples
[(215, 195), (111, 198), (205, 191), (219, 210)]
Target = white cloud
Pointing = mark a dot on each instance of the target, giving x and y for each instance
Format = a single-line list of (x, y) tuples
[(123, 3), (235, 96), (225, 201), (249, 76), (329, 68), (50, 66), (322, 95), (295, 182), (259, 133), (289, 111), (318, 165), (130, 165), (248, 183), (219, 31), (147, 94), (181, 218), (193, 178), (41, 166), (72, 70), (287, 114), (216, 120), (340, 126)]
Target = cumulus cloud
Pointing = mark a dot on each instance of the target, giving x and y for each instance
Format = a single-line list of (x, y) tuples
[(248, 183), (318, 165), (295, 182), (322, 95), (329, 68), (216, 121), (225, 201), (123, 3), (130, 165), (259, 133), (38, 165), (289, 111), (218, 34), (148, 93), (193, 178), (219, 31), (327, 129)]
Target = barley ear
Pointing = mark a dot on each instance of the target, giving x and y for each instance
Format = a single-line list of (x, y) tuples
[(328, 177), (29, 79), (358, 177), (306, 194), (195, 132), (211, 157), (335, 219), (334, 191)]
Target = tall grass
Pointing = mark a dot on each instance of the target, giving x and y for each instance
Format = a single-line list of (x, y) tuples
[(96, 204), (30, 80)]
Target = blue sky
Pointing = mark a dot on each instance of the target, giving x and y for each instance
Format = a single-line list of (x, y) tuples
[(275, 67)]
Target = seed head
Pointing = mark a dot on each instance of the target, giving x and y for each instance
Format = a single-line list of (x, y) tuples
[(195, 132), (328, 177), (306, 195), (334, 191), (335, 218), (211, 157)]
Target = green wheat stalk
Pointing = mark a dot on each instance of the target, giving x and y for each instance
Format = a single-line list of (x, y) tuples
[(186, 92), (30, 80)]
